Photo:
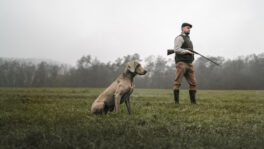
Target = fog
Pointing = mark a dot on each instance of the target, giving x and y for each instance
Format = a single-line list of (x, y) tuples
[(65, 30)]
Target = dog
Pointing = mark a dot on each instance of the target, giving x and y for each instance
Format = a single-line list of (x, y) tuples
[(119, 91)]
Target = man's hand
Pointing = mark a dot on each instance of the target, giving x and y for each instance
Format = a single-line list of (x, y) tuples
[(190, 52)]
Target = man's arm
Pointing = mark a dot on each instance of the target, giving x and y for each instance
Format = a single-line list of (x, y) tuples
[(177, 46)]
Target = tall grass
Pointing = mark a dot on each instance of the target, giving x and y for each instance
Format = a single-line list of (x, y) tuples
[(61, 118)]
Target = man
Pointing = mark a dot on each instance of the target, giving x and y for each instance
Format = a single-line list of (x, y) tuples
[(183, 58)]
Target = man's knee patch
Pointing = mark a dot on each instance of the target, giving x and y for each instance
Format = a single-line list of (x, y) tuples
[(192, 87), (176, 86)]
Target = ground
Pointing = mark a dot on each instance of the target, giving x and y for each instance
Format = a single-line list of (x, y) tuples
[(61, 118)]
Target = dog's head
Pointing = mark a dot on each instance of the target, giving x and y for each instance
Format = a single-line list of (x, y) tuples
[(136, 68)]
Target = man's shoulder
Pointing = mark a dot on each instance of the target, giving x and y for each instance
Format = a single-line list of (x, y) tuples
[(182, 35), (179, 37)]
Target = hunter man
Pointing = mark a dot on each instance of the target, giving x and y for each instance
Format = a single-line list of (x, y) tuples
[(183, 58)]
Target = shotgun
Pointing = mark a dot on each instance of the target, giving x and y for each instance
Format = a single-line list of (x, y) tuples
[(171, 51)]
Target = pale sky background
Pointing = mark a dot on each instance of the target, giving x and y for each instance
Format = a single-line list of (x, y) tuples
[(64, 30)]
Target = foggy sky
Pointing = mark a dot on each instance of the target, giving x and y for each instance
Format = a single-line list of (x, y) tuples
[(64, 30)]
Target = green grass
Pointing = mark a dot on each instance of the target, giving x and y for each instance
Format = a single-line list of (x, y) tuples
[(61, 118)]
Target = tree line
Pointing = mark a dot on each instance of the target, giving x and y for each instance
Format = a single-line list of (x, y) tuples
[(241, 73)]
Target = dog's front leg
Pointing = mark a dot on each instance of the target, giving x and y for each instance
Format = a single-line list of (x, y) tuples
[(127, 101), (117, 102), (120, 92)]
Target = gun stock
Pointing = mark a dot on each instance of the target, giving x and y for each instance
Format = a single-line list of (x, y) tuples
[(170, 51)]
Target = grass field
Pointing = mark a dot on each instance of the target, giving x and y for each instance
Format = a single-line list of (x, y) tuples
[(61, 118)]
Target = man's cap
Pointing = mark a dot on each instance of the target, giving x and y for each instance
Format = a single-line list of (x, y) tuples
[(186, 24)]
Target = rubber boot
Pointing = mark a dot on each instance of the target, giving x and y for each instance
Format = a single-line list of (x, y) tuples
[(192, 96), (176, 96)]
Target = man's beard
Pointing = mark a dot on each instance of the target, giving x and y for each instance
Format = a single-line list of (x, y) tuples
[(187, 33)]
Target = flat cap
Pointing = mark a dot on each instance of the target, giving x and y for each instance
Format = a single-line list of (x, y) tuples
[(186, 24)]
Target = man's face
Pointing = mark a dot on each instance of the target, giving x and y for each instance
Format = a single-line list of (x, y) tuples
[(186, 29)]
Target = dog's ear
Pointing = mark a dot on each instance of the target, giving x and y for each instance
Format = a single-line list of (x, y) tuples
[(131, 66)]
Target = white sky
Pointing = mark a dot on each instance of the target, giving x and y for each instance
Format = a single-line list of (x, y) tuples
[(64, 30)]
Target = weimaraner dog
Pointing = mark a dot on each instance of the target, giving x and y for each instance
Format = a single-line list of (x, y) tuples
[(119, 91)]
